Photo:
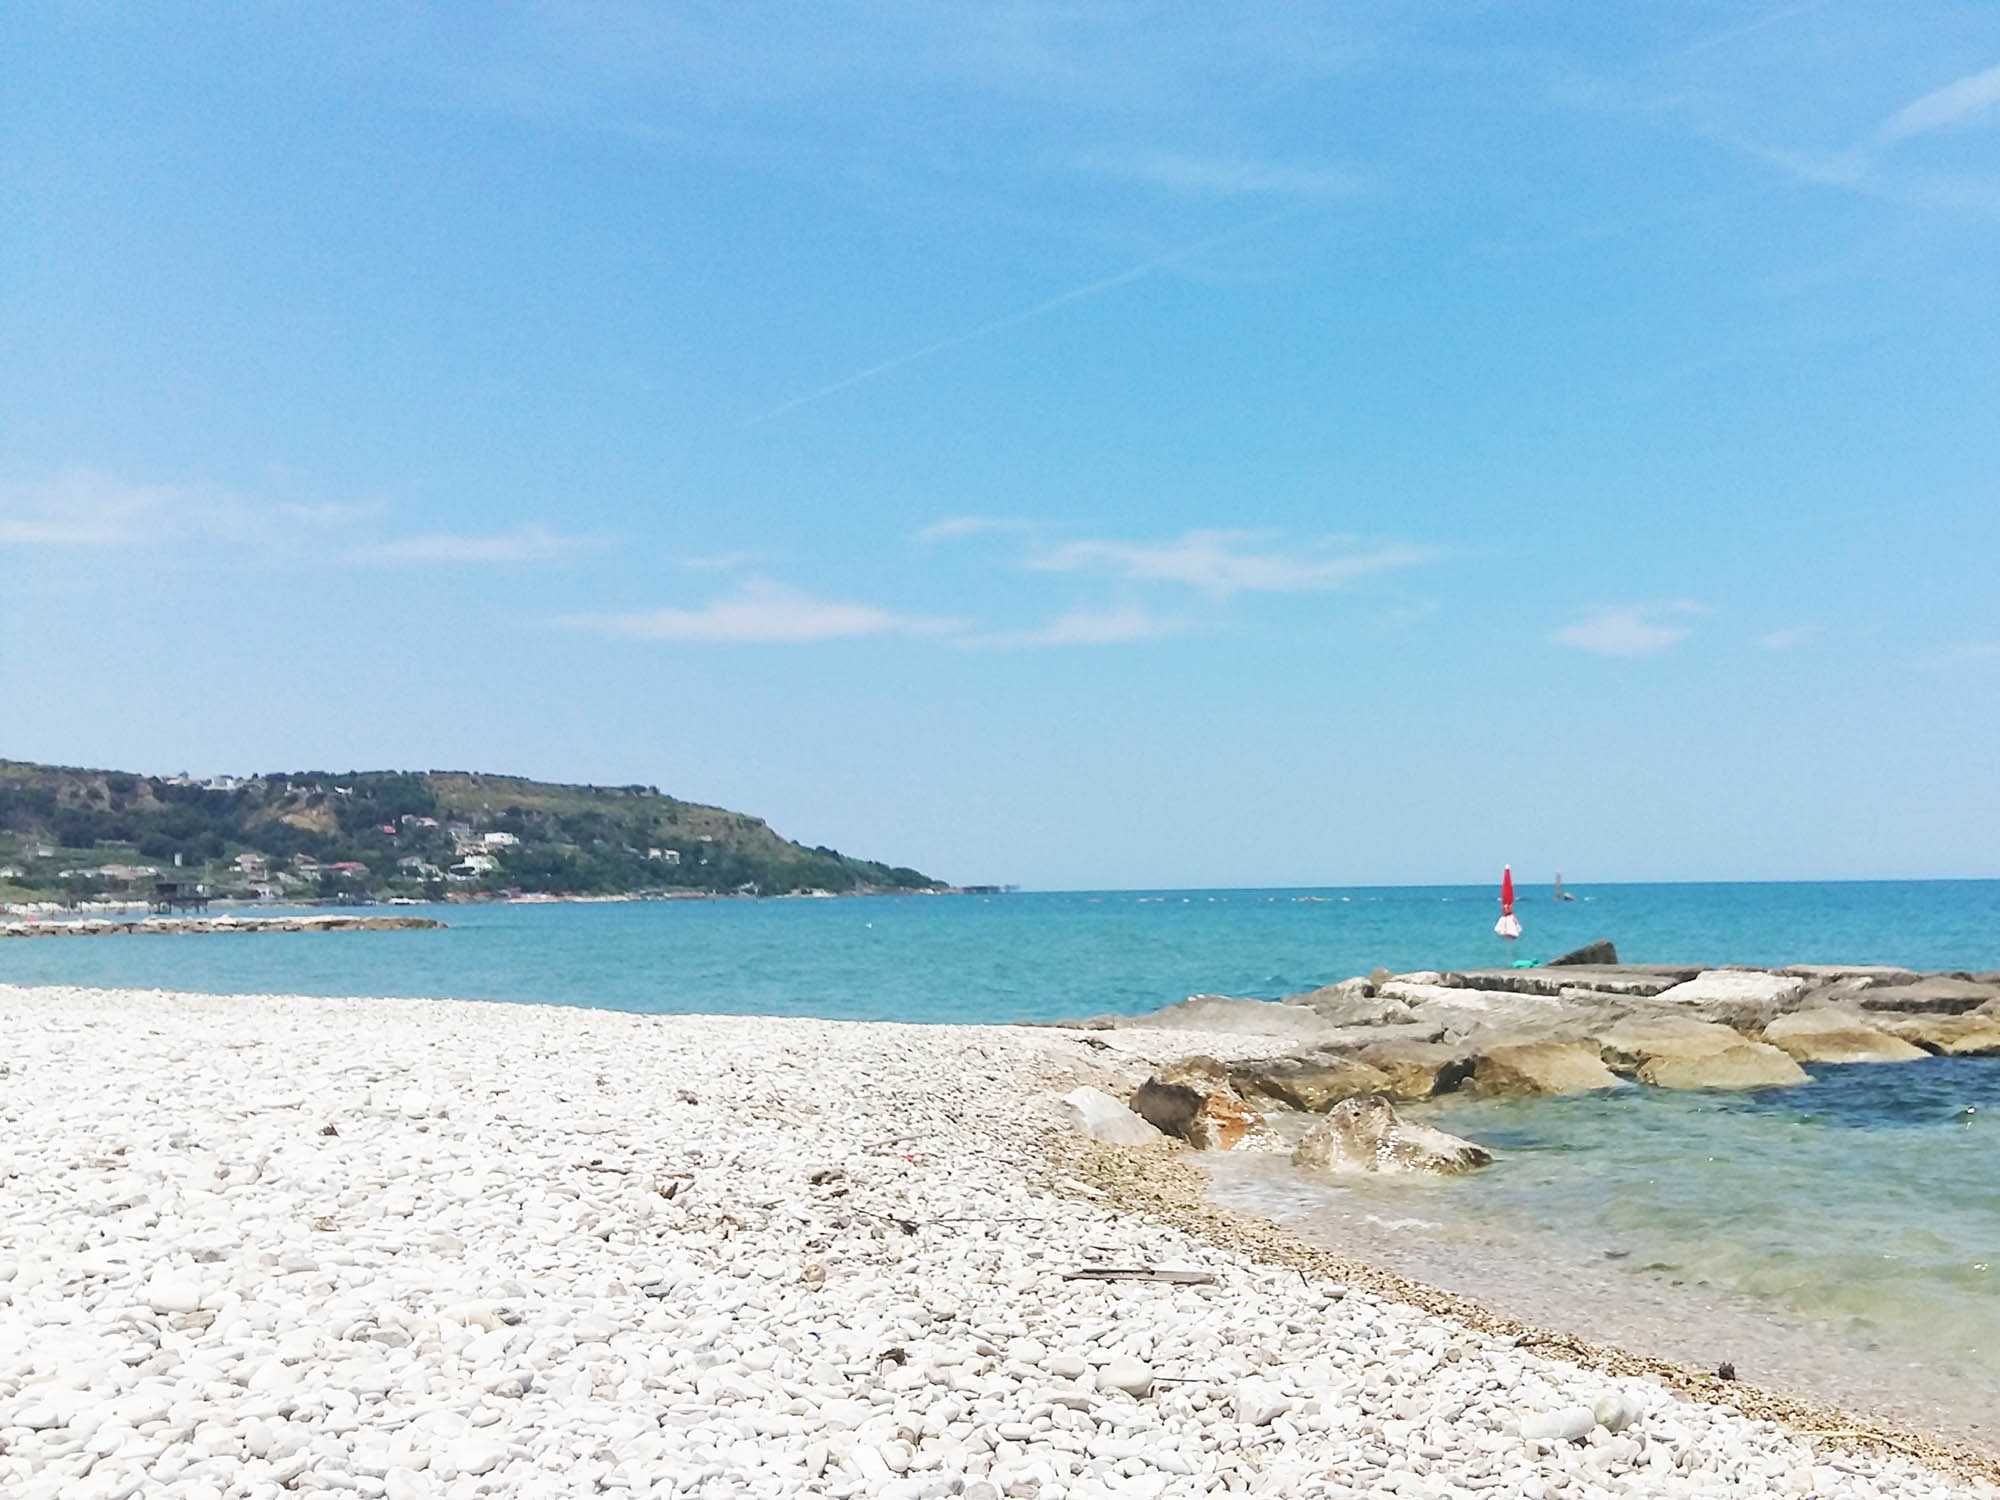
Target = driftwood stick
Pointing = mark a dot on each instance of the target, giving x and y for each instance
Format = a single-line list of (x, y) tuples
[(1140, 1273)]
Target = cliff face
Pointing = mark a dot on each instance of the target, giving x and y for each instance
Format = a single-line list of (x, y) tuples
[(398, 831)]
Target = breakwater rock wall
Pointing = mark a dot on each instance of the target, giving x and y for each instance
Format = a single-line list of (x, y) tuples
[(174, 926), (1562, 1028)]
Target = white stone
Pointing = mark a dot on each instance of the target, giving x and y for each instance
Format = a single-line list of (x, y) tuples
[(1103, 1118), (1258, 1402), (1559, 1426), (1615, 1410), (1724, 985), (1127, 1374), (173, 1292)]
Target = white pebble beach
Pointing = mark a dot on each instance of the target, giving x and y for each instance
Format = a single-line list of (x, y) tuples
[(259, 1246)]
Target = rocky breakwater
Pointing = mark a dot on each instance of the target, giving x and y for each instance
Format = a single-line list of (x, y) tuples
[(181, 926), (1567, 1027), (267, 1246)]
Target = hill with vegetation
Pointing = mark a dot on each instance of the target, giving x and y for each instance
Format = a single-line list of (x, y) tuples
[(310, 835)]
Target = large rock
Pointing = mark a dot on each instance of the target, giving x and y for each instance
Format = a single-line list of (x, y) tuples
[(1976, 1035), (1736, 987), (1637, 1039), (1192, 1099), (1827, 1035), (1352, 1002), (1418, 1069), (1541, 1068), (1746, 1065), (1935, 993), (1244, 1017), (1315, 1083), (1678, 1051), (1865, 974), (1367, 1135), (1103, 1118), (1613, 979), (1599, 952)]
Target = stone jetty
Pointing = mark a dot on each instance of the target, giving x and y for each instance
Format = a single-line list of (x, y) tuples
[(1563, 1028), (174, 926), (262, 1246)]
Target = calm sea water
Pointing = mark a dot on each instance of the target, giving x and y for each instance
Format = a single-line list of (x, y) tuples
[(1862, 1211), (1041, 956)]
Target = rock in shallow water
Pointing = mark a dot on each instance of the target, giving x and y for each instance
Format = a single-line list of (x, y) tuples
[(1541, 1068), (1367, 1135), (1837, 1036)]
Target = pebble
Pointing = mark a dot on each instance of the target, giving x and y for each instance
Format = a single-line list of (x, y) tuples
[(552, 1251)]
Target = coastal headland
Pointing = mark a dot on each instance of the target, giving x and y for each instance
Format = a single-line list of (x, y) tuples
[(265, 1244)]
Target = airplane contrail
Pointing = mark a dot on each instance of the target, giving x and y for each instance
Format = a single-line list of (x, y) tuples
[(1026, 315)]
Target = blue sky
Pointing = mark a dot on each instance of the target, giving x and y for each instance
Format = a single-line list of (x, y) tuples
[(1086, 444)]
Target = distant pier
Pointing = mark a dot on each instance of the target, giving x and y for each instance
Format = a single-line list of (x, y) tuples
[(179, 926)]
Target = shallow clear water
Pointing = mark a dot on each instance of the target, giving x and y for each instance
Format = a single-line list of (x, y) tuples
[(1839, 1238), (1040, 956)]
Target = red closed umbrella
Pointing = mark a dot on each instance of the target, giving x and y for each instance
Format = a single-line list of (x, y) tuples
[(1509, 926)]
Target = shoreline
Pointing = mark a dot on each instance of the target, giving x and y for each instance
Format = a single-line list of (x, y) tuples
[(804, 1257)]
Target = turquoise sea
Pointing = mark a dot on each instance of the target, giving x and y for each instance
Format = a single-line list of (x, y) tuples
[(1033, 956), (1841, 1237)]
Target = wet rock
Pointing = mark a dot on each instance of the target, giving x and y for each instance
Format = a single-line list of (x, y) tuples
[(1311, 1083), (1103, 1118), (1193, 1100), (1828, 1035), (1541, 1068), (1685, 1052), (1746, 1065), (1975, 1035), (1368, 1135), (1599, 952), (1418, 1069), (1936, 993)]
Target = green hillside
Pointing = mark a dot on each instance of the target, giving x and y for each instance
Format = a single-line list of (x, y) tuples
[(316, 834)]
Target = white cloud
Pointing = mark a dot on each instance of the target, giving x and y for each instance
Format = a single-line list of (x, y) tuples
[(720, 562), (957, 526), (524, 544), (765, 613), (1627, 632), (1085, 627), (88, 508), (1958, 103), (1786, 638), (1217, 562), (1231, 177), (80, 518)]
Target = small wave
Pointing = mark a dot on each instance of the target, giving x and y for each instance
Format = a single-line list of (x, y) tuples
[(1399, 1224)]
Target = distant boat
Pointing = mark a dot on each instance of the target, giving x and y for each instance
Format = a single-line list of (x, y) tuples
[(1561, 894), (1509, 926)]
